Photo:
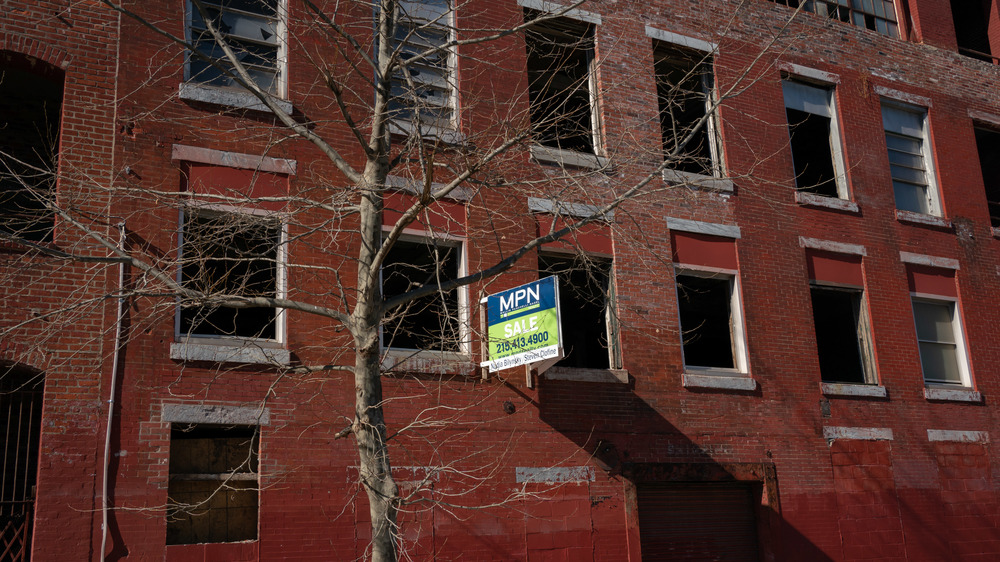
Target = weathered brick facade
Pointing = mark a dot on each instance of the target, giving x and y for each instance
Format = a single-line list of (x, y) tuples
[(894, 469)]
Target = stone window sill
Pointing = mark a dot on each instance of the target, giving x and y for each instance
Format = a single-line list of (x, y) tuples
[(427, 362), (248, 353), (722, 381), (812, 200), (430, 132), (952, 394), (578, 374), (698, 181), (849, 389), (920, 219), (228, 97), (549, 155)]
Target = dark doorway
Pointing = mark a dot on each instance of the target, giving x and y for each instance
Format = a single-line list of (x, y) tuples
[(21, 413)]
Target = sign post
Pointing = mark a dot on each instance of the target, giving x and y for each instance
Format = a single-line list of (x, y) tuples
[(523, 326)]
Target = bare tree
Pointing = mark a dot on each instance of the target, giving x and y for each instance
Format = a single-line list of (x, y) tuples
[(386, 123)]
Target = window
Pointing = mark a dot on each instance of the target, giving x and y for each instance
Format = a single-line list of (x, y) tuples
[(433, 322), (423, 86), (909, 159), (230, 254), (586, 302), (988, 145), (938, 335), (213, 484), (814, 139), (561, 86), (711, 329), (684, 93), (251, 28), (30, 108), (842, 335), (972, 27), (877, 15)]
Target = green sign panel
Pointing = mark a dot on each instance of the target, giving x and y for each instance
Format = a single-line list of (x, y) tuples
[(523, 324)]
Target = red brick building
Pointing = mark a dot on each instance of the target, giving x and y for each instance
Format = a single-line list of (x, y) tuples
[(782, 348)]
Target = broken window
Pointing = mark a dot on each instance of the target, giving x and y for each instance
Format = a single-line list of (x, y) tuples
[(432, 322), (561, 86), (711, 329), (909, 158), (586, 304), (684, 92), (814, 139), (939, 337), (423, 86), (250, 28), (877, 15), (842, 335), (988, 146), (972, 27), (30, 108), (234, 255), (213, 488)]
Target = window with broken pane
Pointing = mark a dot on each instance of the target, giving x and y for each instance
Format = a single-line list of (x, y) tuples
[(710, 331), (909, 158), (250, 28), (213, 488), (877, 15), (229, 255), (561, 86), (814, 139), (432, 322), (842, 336), (423, 85), (684, 94), (586, 305)]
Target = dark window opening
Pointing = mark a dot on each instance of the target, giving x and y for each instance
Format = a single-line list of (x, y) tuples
[(21, 391), (586, 306), (250, 28), (841, 335), (972, 27), (560, 54), (706, 315), (213, 484), (30, 107), (988, 146), (811, 152), (683, 90), (876, 15), (431, 322), (230, 254)]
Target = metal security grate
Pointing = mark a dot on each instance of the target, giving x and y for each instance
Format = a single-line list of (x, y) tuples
[(20, 411)]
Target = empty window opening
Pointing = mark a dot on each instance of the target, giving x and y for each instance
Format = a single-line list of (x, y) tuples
[(813, 137), (586, 305), (909, 159), (30, 107), (972, 27), (842, 337), (684, 93), (561, 93), (707, 321), (988, 145), (877, 15), (432, 322), (250, 28), (423, 86), (213, 488), (234, 255), (938, 338)]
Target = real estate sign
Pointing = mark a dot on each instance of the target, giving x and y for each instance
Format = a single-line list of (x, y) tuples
[(523, 324)]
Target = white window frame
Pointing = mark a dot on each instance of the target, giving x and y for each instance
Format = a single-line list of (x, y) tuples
[(233, 96), (280, 281), (448, 132), (464, 313), (737, 327), (933, 194), (836, 142), (958, 332), (712, 132), (596, 158)]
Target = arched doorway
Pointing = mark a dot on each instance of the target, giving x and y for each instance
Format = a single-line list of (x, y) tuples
[(20, 425)]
